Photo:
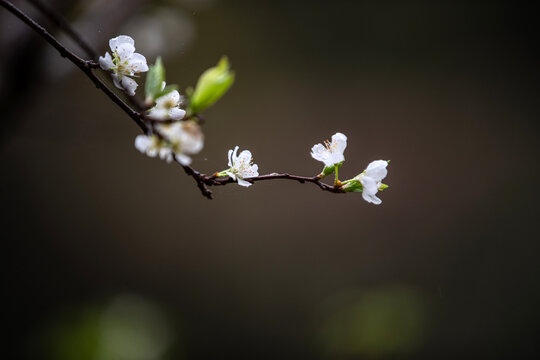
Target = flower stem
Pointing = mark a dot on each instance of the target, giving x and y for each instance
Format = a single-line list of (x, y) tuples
[(336, 181)]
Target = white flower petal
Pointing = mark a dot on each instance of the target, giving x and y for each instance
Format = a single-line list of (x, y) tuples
[(371, 198), (165, 153), (143, 142), (230, 158), (125, 51), (335, 158), (129, 85), (340, 142), (158, 114), (117, 82), (234, 156), (243, 182), (370, 188), (377, 170), (369, 185), (138, 63), (169, 100), (318, 152), (121, 39), (177, 113), (106, 62), (183, 159), (245, 156)]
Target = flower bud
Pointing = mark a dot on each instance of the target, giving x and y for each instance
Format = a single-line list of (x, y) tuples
[(211, 86)]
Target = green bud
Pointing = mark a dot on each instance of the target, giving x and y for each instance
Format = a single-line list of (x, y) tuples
[(154, 81), (382, 187), (211, 86)]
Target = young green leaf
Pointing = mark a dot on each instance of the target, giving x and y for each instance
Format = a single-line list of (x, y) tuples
[(154, 81)]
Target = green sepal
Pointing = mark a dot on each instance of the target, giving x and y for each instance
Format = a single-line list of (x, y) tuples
[(211, 86), (154, 81), (330, 169), (352, 185), (382, 187)]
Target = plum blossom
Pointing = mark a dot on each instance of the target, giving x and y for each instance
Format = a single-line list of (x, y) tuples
[(331, 153), (153, 146), (124, 62), (178, 141), (148, 145), (371, 180), (167, 107), (240, 167), (184, 138)]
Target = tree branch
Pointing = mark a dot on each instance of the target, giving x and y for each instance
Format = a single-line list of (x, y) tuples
[(203, 181), (63, 24), (213, 180)]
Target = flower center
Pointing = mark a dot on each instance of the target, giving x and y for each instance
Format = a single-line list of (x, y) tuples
[(330, 146)]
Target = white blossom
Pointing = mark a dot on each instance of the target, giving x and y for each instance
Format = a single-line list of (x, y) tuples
[(371, 180), (148, 145), (167, 107), (331, 153), (179, 140), (241, 166), (183, 138), (124, 62)]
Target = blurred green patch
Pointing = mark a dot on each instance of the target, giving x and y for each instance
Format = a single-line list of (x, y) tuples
[(128, 328), (378, 323)]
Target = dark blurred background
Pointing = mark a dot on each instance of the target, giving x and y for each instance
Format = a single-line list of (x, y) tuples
[(112, 255)]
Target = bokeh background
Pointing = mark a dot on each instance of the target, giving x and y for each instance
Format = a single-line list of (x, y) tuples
[(109, 254)]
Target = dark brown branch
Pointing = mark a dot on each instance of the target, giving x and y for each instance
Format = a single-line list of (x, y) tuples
[(203, 181), (62, 23), (213, 180)]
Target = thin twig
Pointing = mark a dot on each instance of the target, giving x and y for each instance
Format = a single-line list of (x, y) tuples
[(63, 24), (212, 180), (203, 181)]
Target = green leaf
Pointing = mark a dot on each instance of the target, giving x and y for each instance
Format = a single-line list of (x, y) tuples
[(211, 86), (154, 81)]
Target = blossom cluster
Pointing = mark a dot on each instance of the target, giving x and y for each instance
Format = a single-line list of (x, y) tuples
[(174, 132), (369, 182)]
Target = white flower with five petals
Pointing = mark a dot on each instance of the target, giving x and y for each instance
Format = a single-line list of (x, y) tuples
[(241, 167), (124, 62), (167, 107), (331, 153), (185, 138), (371, 180), (179, 141)]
